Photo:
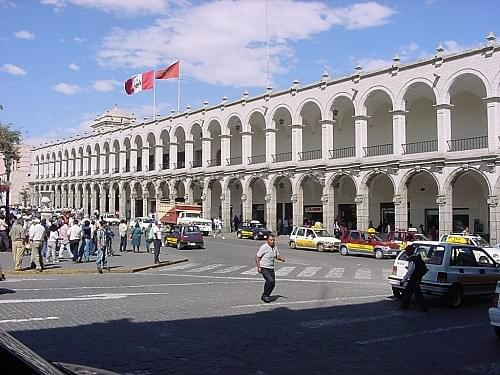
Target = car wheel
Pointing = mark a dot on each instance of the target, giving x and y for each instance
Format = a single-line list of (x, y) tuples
[(292, 245), (179, 246), (497, 331), (397, 293), (255, 236), (379, 254), (239, 235), (455, 296), (344, 251), (321, 247)]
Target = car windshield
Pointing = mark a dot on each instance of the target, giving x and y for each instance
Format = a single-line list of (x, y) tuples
[(480, 242), (191, 229), (323, 233)]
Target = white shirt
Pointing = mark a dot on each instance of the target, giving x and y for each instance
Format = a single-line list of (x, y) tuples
[(156, 232), (53, 236), (38, 232), (267, 255), (122, 229), (74, 232)]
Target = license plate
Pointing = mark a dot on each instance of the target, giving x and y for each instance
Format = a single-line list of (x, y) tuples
[(192, 244)]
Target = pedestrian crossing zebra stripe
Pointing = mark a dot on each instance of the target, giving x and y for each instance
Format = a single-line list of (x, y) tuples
[(335, 273), (363, 274), (284, 271), (230, 269), (309, 272), (252, 271), (182, 266), (206, 268)]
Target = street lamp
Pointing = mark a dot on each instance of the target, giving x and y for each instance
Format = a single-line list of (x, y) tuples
[(8, 166)]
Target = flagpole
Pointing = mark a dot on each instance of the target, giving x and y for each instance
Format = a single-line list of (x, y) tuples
[(154, 94), (179, 89)]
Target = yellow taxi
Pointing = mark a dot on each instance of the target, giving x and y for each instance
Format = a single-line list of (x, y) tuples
[(471, 239), (314, 237)]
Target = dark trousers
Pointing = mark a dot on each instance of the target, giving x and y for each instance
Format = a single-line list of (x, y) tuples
[(413, 287), (73, 246), (268, 275), (123, 243), (157, 245)]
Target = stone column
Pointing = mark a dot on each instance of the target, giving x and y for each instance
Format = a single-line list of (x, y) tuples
[(206, 147), (296, 142), (398, 132), (112, 200), (493, 107), (64, 198), (206, 203), (145, 203), (270, 143), (122, 161), (93, 163), (158, 157), (400, 211), (188, 152), (133, 160), (298, 209), (173, 155), (225, 146), (85, 202), (158, 199), (145, 159), (443, 115), (328, 200), (445, 205), (102, 163), (133, 197), (71, 198), (360, 135), (93, 201), (103, 198), (327, 139), (494, 219), (246, 147), (271, 212), (361, 211), (246, 201), (226, 211), (112, 161), (123, 203)]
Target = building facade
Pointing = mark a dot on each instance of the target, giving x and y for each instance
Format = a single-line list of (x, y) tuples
[(19, 178), (409, 144)]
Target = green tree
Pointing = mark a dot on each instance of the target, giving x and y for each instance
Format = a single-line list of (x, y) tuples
[(9, 142)]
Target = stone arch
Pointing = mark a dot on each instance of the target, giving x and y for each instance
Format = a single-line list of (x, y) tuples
[(213, 207), (179, 138), (399, 102), (360, 106), (377, 105), (214, 132), (312, 138), (196, 136), (282, 121), (308, 102), (460, 74), (164, 139), (309, 192), (280, 208), (342, 111), (257, 127), (234, 127), (256, 200), (151, 145)]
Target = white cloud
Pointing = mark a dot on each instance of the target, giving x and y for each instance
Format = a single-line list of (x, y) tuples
[(13, 70), (77, 39), (232, 53), (74, 67), (66, 88), (452, 46), (374, 64), (24, 34), (105, 85), (129, 7)]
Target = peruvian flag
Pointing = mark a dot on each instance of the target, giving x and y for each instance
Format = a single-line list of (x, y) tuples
[(171, 72), (140, 82)]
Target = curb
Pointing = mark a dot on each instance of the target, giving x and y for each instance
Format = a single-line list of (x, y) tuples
[(93, 270)]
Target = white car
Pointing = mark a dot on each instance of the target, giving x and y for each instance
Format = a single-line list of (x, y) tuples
[(472, 240), (111, 219), (313, 238), (494, 311), (143, 222)]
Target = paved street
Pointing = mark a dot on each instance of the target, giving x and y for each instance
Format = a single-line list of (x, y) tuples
[(331, 315)]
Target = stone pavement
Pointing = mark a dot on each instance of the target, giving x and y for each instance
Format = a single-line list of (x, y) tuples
[(125, 262)]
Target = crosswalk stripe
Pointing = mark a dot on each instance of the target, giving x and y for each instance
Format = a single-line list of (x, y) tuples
[(283, 271), (309, 272), (363, 274), (252, 271), (206, 268), (335, 273), (230, 269), (181, 266)]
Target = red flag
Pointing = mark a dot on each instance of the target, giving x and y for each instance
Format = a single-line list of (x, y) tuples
[(171, 72), (140, 82)]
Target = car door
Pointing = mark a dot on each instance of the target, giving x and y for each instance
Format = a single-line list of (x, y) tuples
[(310, 239), (353, 241), (300, 237), (489, 273), (365, 244), (464, 265)]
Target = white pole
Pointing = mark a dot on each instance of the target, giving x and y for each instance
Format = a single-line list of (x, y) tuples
[(179, 89), (154, 94), (267, 57)]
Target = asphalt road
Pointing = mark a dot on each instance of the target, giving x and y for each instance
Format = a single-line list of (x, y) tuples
[(332, 315)]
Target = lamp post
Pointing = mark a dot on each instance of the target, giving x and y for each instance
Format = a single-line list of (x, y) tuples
[(8, 165)]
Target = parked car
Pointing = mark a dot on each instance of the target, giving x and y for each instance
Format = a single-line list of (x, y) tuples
[(472, 240), (111, 219), (313, 238), (143, 222), (252, 229), (367, 243), (454, 271), (405, 237), (494, 311), (182, 236)]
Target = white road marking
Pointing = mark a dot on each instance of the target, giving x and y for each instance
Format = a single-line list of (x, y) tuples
[(206, 268), (28, 320), (284, 271), (363, 274), (104, 296), (335, 273), (252, 271), (420, 333), (309, 301), (181, 266), (309, 272), (18, 280), (230, 269), (344, 321)]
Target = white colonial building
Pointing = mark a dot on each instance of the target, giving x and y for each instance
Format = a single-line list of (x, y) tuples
[(413, 143)]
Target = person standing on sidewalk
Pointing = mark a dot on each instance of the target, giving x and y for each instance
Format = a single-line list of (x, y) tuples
[(18, 237), (38, 240), (136, 235), (52, 240), (265, 265), (63, 235), (4, 236), (122, 230), (156, 242), (74, 235), (101, 243), (149, 237)]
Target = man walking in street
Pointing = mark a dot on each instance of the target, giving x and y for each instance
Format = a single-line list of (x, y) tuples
[(101, 242), (122, 230), (18, 237), (38, 241), (416, 270), (265, 265), (156, 242), (74, 235)]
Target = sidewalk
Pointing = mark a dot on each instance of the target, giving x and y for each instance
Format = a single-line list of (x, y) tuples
[(127, 262)]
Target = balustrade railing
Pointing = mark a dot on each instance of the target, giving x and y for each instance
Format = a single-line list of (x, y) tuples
[(340, 153), (256, 159), (281, 157), (419, 147), (465, 144), (310, 155), (234, 161), (180, 165), (378, 150)]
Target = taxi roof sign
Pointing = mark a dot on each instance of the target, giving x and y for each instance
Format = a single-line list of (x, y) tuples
[(457, 239)]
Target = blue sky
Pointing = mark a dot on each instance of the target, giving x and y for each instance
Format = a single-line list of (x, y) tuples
[(64, 61)]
